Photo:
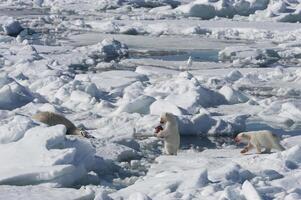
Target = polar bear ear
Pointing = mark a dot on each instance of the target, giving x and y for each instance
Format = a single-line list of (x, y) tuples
[(243, 135), (246, 136), (239, 135), (169, 114), (163, 115), (170, 117), (163, 118)]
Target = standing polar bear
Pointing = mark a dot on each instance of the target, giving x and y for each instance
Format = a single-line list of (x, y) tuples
[(259, 139), (170, 133)]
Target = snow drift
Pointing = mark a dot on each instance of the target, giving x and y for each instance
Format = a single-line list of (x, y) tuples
[(12, 94), (44, 156)]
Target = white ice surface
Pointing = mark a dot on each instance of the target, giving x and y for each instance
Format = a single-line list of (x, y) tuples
[(244, 75), (43, 156), (213, 174)]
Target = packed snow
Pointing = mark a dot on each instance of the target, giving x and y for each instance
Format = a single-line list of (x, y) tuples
[(113, 67)]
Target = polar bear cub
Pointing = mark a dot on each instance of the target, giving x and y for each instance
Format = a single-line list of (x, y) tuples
[(170, 133), (259, 139)]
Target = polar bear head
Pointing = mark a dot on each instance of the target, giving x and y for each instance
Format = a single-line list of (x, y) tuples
[(80, 131), (167, 117), (242, 138)]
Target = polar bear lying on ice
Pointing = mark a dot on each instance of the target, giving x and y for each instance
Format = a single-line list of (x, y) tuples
[(259, 139), (52, 119), (170, 133)]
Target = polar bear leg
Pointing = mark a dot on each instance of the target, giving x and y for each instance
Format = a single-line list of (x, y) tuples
[(278, 147), (267, 150), (247, 148), (170, 149), (258, 149)]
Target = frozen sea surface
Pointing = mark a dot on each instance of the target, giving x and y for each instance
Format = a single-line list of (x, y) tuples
[(112, 67)]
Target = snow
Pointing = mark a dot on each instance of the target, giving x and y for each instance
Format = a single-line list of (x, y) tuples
[(250, 192), (138, 196), (233, 96), (40, 157), (12, 28), (112, 67), (110, 80), (286, 112), (220, 180), (12, 93), (40, 192), (245, 56), (139, 3), (160, 106), (186, 92), (261, 9), (140, 105), (14, 129)]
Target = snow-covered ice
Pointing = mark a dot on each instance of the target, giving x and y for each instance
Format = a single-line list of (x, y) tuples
[(112, 67)]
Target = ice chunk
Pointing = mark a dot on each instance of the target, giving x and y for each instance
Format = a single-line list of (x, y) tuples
[(48, 107), (145, 3), (113, 49), (12, 94), (206, 9), (133, 91), (197, 9), (38, 2), (108, 50), (41, 192), (185, 92), (198, 180), (197, 125), (246, 56), (250, 192), (160, 106), (233, 173), (231, 192), (234, 76), (113, 79), (271, 174), (138, 196), (12, 28), (291, 110), (102, 196), (205, 124), (283, 112), (80, 96), (293, 154), (14, 129), (43, 156), (139, 105), (233, 96), (117, 152)]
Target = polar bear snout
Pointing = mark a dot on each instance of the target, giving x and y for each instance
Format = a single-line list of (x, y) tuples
[(237, 139), (162, 120), (158, 129)]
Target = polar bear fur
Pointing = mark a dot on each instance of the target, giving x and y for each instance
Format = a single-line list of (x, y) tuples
[(170, 133), (53, 119), (259, 139)]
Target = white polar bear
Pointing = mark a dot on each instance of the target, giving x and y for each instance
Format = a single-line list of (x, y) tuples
[(170, 133), (259, 139), (52, 119)]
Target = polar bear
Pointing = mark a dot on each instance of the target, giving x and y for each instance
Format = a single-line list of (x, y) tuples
[(259, 139), (170, 133), (52, 119)]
